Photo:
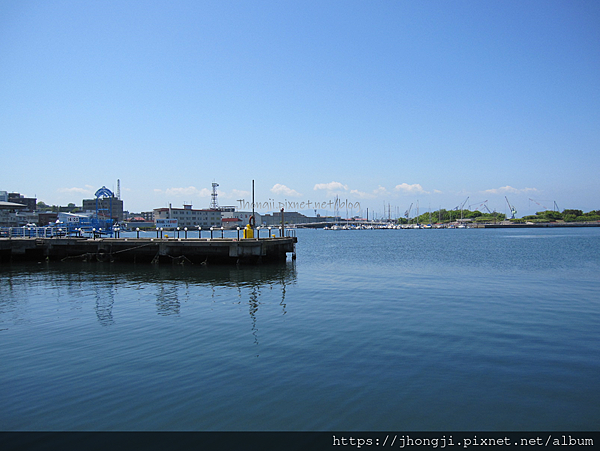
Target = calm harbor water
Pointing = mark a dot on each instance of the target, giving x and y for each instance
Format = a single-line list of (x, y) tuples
[(366, 330)]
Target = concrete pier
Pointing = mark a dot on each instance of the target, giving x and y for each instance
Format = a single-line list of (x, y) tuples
[(150, 250)]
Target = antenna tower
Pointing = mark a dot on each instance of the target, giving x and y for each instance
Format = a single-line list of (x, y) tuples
[(118, 188), (214, 204)]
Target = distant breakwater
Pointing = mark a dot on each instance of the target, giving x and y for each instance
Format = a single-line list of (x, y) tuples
[(536, 225)]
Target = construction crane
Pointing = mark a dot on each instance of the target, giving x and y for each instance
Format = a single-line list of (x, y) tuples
[(513, 210)]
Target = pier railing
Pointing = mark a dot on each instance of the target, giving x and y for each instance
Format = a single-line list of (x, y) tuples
[(53, 243), (260, 232), (33, 232)]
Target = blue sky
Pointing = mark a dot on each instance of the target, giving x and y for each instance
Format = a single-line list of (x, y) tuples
[(378, 102)]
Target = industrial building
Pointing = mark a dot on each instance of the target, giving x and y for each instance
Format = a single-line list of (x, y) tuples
[(293, 217), (17, 210), (12, 214), (233, 219), (188, 217), (18, 198), (108, 207)]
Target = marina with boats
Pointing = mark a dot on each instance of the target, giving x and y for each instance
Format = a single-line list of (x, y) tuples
[(503, 225)]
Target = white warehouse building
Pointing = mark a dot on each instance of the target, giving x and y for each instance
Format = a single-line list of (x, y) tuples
[(187, 217)]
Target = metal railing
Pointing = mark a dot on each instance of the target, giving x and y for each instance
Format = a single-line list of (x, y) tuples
[(32, 232), (260, 232), (51, 232)]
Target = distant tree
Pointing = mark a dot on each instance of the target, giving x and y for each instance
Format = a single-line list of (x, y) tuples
[(589, 216), (472, 214), (552, 215), (572, 212)]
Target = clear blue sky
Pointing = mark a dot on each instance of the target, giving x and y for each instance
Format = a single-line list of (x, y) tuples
[(377, 102)]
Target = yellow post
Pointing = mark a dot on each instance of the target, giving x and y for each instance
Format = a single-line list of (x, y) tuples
[(248, 232)]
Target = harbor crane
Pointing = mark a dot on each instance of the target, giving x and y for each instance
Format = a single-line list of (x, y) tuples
[(513, 210), (461, 207), (407, 212), (479, 205), (543, 206), (484, 205), (555, 206)]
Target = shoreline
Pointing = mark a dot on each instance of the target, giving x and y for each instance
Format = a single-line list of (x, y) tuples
[(534, 225)]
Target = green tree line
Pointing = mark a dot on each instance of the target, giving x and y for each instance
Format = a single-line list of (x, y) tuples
[(444, 216), (566, 215)]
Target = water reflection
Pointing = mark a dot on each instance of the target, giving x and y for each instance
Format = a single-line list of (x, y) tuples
[(105, 300), (27, 290), (167, 300), (253, 309)]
